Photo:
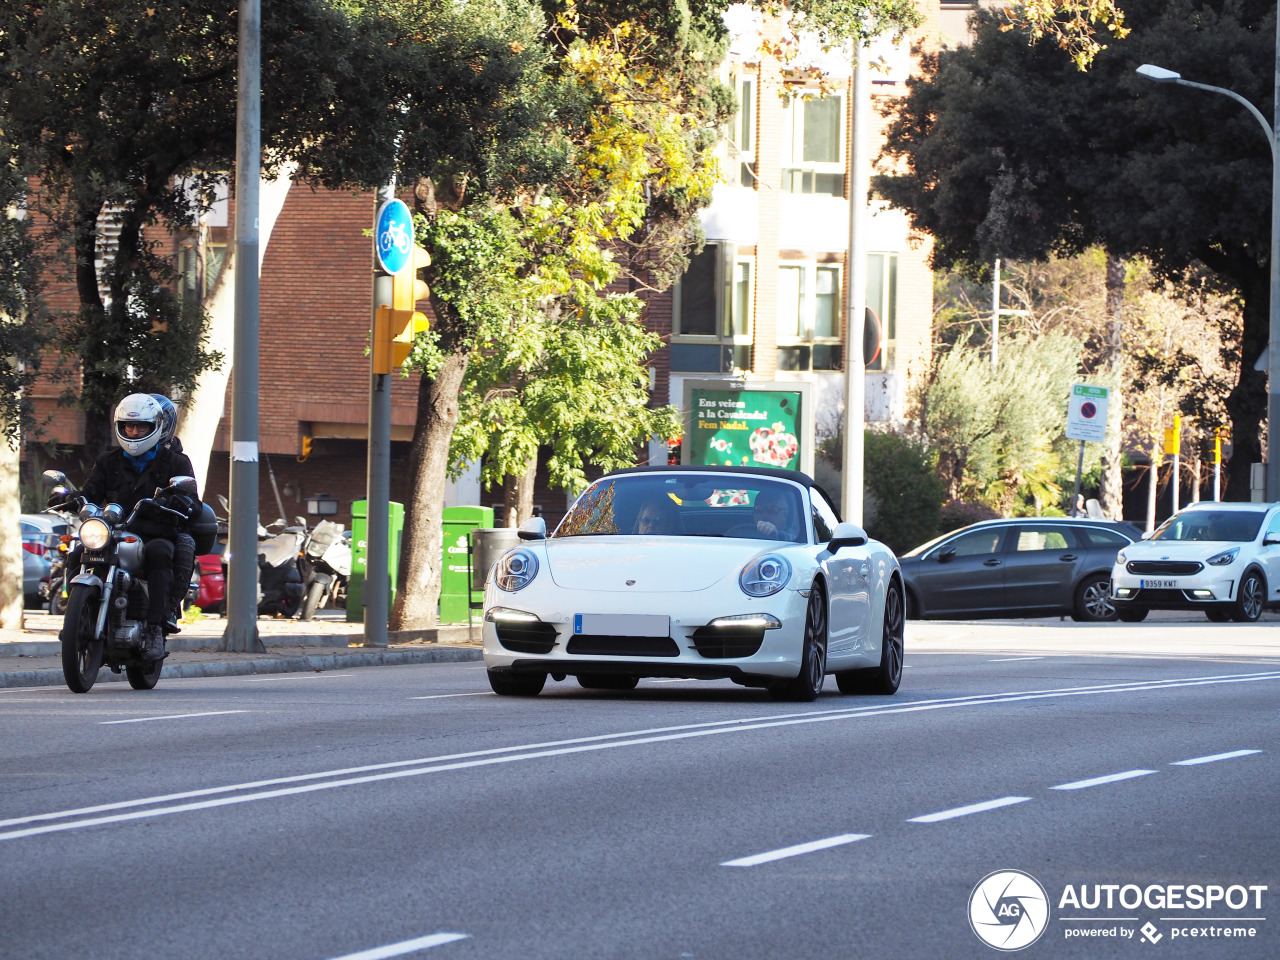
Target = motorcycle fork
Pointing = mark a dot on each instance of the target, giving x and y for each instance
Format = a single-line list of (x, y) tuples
[(107, 584)]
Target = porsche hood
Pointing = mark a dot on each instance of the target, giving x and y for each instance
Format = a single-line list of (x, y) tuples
[(657, 565)]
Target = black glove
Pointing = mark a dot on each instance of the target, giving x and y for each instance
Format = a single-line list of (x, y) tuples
[(189, 507)]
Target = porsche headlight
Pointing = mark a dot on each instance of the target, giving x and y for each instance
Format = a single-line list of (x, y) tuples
[(764, 576), (95, 534), (516, 570), (1225, 558)]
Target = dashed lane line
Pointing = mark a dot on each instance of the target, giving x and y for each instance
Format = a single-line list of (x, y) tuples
[(967, 810), (173, 716), (1214, 758), (795, 851), (404, 946), (1099, 781)]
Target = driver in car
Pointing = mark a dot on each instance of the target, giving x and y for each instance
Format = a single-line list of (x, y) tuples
[(772, 514)]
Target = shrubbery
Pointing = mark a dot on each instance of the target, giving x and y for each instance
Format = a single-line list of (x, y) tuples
[(961, 513), (903, 489)]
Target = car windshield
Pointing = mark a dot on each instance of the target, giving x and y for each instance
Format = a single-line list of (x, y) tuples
[(1238, 526), (688, 505)]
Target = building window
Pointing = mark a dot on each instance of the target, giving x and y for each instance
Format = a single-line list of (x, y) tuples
[(742, 131), (712, 325), (809, 312), (813, 146), (882, 301)]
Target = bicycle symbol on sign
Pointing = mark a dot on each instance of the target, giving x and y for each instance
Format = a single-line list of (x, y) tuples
[(395, 235)]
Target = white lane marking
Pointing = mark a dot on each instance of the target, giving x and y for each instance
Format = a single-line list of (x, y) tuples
[(672, 680), (795, 851), (173, 716), (1014, 659), (597, 742), (1098, 781), (446, 696), (405, 946), (311, 676), (1214, 758), (965, 811)]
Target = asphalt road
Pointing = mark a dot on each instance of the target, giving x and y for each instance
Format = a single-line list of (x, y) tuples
[(406, 811)]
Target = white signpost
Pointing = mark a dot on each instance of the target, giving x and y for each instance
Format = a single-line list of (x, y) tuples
[(1086, 420)]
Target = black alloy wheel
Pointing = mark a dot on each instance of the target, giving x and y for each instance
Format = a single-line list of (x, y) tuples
[(1093, 600), (1250, 598), (81, 651), (813, 655), (886, 678)]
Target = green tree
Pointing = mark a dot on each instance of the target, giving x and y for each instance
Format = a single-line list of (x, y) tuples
[(1010, 151)]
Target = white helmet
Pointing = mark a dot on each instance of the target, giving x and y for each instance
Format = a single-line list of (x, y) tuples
[(139, 408)]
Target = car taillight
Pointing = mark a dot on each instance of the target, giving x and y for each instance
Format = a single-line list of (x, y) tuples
[(39, 549)]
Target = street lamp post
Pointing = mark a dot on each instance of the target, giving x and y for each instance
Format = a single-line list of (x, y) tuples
[(1161, 75)]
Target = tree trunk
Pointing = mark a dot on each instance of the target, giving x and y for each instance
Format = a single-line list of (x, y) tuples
[(200, 414), (418, 585), (1111, 486), (10, 546), (517, 495)]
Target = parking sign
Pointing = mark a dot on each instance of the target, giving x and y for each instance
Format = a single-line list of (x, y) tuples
[(1087, 412)]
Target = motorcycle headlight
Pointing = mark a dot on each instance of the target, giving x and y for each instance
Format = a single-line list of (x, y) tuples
[(95, 534), (516, 570), (764, 576), (1225, 558)]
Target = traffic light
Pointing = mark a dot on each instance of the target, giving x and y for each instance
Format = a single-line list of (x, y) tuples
[(395, 326), (306, 450)]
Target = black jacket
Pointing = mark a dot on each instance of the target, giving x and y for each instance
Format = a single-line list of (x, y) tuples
[(113, 480)]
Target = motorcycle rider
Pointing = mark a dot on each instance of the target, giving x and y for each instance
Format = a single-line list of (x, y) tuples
[(146, 460)]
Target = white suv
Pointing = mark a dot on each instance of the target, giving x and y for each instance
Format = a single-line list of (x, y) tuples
[(1222, 558)]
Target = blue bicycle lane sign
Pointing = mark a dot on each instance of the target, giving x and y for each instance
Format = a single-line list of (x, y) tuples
[(393, 236)]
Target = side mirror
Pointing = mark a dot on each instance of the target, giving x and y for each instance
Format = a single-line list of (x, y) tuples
[(947, 555), (535, 528), (185, 485), (847, 535), (54, 478)]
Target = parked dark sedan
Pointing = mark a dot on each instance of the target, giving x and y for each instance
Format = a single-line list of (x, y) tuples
[(1029, 566)]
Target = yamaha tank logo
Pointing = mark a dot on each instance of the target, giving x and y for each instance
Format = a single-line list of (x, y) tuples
[(1008, 910)]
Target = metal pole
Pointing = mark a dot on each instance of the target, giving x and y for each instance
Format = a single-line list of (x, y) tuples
[(1273, 330), (995, 315), (1217, 466), (1173, 484), (1075, 496), (855, 377), (241, 631), (376, 592)]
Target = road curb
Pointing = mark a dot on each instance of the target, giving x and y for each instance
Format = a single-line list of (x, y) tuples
[(237, 668)]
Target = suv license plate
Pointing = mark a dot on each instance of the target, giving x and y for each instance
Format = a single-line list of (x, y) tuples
[(1158, 584)]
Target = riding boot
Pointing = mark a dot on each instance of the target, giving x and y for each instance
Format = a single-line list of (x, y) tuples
[(152, 642)]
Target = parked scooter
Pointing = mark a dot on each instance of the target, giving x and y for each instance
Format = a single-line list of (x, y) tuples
[(59, 579), (280, 581), (108, 597), (326, 567)]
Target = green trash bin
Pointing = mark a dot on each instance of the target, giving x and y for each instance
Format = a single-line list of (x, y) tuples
[(457, 523), (360, 554)]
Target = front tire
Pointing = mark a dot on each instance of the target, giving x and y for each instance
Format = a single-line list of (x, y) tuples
[(1218, 616), (1250, 598), (1093, 600), (1131, 614), (144, 677), (813, 655), (886, 678), (517, 684), (315, 593), (81, 650)]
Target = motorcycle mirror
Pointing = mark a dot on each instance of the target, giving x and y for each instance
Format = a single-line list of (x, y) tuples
[(54, 478), (226, 507), (185, 485)]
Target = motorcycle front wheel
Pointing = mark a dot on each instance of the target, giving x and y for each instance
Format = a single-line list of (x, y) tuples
[(81, 650), (314, 600)]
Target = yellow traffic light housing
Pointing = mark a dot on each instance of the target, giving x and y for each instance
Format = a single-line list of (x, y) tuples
[(395, 326)]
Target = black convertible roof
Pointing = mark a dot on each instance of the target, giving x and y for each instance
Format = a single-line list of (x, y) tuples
[(772, 472)]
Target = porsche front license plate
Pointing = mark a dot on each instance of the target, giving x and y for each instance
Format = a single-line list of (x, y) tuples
[(621, 625), (1158, 584)]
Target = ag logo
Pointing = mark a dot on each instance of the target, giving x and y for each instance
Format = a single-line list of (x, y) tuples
[(1008, 910)]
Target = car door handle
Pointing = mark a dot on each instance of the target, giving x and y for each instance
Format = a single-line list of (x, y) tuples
[(1067, 557), (993, 562)]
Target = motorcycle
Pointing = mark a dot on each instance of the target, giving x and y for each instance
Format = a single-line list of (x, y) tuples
[(108, 598), (280, 581), (58, 577), (326, 564)]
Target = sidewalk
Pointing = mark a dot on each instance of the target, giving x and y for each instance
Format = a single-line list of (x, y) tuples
[(31, 657)]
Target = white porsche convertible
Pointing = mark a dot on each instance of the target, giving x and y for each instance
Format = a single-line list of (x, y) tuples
[(744, 574)]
